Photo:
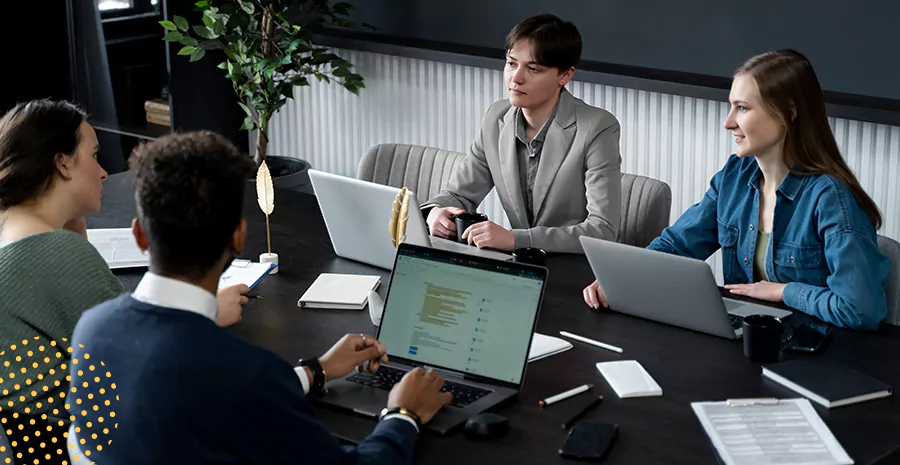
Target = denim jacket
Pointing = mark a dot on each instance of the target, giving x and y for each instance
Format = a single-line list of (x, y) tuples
[(822, 243)]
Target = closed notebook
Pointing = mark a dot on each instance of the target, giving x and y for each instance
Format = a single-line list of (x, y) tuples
[(339, 291), (826, 383), (629, 379)]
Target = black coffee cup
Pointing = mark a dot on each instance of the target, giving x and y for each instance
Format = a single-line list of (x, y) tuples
[(762, 338), (530, 255), (464, 220)]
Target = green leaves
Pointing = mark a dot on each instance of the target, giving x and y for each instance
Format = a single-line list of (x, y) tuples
[(197, 54), (181, 23), (173, 37), (263, 66)]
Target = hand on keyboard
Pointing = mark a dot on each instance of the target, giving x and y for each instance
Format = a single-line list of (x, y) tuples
[(420, 391)]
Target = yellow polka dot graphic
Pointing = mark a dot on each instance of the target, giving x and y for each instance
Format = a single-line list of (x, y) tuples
[(38, 397)]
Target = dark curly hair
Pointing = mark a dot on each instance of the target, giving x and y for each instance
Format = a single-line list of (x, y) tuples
[(32, 136), (189, 190)]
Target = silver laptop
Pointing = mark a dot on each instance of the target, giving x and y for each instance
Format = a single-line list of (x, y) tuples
[(357, 214), (675, 290), (469, 318)]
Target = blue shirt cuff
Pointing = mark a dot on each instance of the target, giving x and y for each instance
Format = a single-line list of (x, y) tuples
[(400, 416), (795, 295)]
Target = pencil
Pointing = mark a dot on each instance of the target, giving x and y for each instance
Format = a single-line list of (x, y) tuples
[(580, 414)]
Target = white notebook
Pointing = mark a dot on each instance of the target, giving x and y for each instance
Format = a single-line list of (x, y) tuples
[(543, 346), (339, 291), (629, 379)]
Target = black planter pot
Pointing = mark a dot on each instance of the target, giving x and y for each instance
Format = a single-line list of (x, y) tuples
[(289, 173)]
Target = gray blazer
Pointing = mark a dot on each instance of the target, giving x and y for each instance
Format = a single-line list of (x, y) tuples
[(577, 190)]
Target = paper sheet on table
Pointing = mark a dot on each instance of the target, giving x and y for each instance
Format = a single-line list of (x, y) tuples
[(244, 272), (787, 432), (118, 247)]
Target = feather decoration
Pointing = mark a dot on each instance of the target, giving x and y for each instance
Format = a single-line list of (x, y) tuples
[(265, 196), (399, 217)]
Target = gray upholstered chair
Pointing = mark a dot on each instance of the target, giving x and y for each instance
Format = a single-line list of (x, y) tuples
[(891, 248), (424, 170), (645, 201)]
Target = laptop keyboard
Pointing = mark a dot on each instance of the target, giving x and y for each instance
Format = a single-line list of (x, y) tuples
[(385, 378)]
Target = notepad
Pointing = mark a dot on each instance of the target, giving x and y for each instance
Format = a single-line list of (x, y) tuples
[(339, 291), (826, 383), (118, 248), (543, 346), (629, 379), (245, 272)]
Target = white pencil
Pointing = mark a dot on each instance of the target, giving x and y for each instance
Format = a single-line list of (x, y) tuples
[(591, 342), (565, 395)]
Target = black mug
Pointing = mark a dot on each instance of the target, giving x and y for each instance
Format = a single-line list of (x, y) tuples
[(464, 220), (530, 255), (762, 338)]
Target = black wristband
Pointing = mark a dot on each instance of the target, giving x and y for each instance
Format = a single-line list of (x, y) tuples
[(402, 411), (319, 375)]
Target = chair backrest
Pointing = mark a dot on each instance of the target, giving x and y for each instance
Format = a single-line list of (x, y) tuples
[(646, 204), (424, 170), (891, 248)]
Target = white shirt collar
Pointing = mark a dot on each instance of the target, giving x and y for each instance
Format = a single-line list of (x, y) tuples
[(171, 293)]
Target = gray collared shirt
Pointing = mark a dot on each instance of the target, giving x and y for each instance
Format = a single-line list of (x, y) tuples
[(529, 157)]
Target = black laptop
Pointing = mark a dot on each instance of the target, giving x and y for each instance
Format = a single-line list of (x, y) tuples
[(469, 318)]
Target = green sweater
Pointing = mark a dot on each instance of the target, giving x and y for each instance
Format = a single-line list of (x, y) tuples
[(47, 281)]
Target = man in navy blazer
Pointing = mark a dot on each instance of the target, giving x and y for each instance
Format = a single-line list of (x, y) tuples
[(159, 382)]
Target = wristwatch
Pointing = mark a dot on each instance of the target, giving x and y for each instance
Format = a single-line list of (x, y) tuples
[(319, 375), (402, 411)]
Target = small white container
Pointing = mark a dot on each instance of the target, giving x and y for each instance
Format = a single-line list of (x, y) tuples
[(270, 258)]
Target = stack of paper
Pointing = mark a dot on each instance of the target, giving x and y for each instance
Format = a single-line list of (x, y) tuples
[(245, 272), (543, 346), (339, 291), (118, 247)]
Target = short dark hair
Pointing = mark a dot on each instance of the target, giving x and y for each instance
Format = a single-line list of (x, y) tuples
[(555, 42), (189, 190), (32, 135)]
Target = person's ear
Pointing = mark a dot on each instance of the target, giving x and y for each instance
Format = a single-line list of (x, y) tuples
[(239, 237), (64, 164), (566, 76), (139, 236)]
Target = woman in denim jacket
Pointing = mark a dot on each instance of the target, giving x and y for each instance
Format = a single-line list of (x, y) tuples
[(793, 223)]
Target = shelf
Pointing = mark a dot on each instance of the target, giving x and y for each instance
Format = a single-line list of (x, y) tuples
[(147, 131)]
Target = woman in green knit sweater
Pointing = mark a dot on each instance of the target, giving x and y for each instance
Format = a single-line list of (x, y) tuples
[(49, 273)]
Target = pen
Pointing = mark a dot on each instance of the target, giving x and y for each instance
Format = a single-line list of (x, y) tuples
[(587, 408), (591, 342), (253, 296), (564, 395)]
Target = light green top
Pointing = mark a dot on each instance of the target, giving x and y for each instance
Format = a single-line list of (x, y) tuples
[(47, 281), (759, 257)]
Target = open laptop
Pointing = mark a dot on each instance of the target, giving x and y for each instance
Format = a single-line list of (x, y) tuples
[(357, 214), (470, 318), (675, 290)]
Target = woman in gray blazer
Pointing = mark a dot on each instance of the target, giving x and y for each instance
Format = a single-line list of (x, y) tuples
[(553, 159)]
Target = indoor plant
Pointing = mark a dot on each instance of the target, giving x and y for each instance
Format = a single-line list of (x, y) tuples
[(268, 50)]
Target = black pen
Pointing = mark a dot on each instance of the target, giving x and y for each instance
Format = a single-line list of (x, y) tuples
[(580, 414)]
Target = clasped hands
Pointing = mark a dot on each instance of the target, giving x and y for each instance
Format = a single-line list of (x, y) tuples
[(486, 234)]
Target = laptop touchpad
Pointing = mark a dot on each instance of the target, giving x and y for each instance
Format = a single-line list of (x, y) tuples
[(742, 309)]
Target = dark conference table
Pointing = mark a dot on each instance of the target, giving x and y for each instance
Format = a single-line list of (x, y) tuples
[(689, 366)]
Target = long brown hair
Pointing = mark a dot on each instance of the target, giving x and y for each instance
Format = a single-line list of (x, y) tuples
[(790, 90), (32, 137)]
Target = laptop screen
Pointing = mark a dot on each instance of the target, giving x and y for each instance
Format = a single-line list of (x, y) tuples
[(460, 312)]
